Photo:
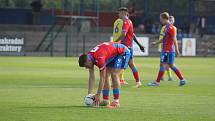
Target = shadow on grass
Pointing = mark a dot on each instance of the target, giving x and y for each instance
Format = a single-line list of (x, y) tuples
[(61, 107), (59, 86)]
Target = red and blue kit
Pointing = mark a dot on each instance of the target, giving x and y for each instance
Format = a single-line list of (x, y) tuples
[(168, 53), (110, 54), (127, 28), (168, 47)]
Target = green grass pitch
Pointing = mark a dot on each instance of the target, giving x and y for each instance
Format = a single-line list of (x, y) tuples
[(52, 89)]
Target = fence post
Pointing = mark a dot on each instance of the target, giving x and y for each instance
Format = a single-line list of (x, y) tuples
[(66, 44), (84, 38)]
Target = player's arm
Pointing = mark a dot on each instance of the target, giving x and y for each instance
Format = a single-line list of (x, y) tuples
[(91, 80), (101, 81), (156, 42), (142, 48), (121, 36), (160, 37), (176, 46), (101, 85), (173, 34)]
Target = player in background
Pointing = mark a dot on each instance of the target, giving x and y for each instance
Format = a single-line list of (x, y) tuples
[(126, 37), (111, 58), (171, 20), (169, 46), (117, 30)]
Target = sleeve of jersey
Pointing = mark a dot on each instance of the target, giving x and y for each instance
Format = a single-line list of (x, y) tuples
[(125, 27), (172, 32), (175, 31)]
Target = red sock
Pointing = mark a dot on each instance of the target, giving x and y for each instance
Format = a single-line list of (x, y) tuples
[(105, 97), (116, 93), (106, 94), (116, 96), (159, 77), (136, 76), (178, 73)]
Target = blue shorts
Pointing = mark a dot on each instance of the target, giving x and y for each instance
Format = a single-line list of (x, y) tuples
[(132, 54), (167, 57), (118, 63)]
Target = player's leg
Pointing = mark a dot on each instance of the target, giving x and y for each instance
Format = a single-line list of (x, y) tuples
[(178, 73), (106, 89), (163, 77), (160, 50), (119, 65), (116, 87), (160, 73), (114, 68), (135, 72), (134, 69), (159, 76), (175, 69), (163, 61), (169, 73), (122, 79)]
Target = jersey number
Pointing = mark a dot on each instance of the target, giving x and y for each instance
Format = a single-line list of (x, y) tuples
[(97, 47), (117, 28)]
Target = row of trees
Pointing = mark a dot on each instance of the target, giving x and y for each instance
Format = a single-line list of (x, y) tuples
[(26, 3), (106, 5), (181, 6)]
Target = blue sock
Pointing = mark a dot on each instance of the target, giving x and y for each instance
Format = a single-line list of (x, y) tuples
[(106, 94), (116, 93)]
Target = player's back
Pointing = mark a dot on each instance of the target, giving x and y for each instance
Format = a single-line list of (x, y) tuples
[(128, 29), (162, 31), (117, 29), (107, 50), (161, 37), (105, 53), (168, 40)]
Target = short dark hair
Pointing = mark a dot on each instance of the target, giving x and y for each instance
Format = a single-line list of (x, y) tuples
[(82, 60), (123, 9)]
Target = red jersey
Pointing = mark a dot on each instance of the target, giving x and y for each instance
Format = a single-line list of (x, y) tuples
[(127, 28), (168, 40), (104, 53)]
